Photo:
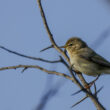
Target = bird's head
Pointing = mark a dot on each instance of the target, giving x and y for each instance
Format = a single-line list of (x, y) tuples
[(74, 44)]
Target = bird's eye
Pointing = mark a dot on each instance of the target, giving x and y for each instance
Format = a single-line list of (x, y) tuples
[(70, 44)]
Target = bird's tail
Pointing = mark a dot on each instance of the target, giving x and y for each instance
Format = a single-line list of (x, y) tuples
[(107, 71)]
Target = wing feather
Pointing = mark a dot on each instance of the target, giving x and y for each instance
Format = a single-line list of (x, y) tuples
[(95, 58)]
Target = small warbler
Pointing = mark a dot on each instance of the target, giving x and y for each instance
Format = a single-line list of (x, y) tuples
[(84, 59)]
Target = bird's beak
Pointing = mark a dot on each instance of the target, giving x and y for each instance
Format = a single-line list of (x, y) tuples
[(63, 46)]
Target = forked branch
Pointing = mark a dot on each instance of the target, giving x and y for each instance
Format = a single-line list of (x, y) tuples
[(98, 105)]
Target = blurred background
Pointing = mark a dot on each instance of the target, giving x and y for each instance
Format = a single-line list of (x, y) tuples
[(22, 30)]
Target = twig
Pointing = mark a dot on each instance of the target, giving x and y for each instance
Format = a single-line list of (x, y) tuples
[(37, 67), (64, 62), (51, 46), (80, 101), (24, 69), (76, 92), (29, 57), (85, 96), (98, 91), (81, 78), (95, 89)]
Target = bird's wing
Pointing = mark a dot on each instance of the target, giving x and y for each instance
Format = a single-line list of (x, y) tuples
[(100, 60), (95, 58)]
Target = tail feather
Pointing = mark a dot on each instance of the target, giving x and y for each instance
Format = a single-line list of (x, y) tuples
[(107, 71)]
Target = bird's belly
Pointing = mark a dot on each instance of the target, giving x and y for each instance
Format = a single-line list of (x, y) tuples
[(86, 67)]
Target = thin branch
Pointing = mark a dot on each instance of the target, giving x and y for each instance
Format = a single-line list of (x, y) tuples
[(53, 42), (29, 57), (96, 92), (95, 89), (51, 46), (86, 85), (48, 30), (24, 69), (92, 82), (64, 62), (80, 101), (81, 78), (77, 92), (36, 67)]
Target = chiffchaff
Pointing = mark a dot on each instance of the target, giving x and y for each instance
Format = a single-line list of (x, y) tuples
[(84, 59)]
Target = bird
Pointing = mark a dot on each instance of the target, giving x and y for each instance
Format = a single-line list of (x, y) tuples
[(84, 59)]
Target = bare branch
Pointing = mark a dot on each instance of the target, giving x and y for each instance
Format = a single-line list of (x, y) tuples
[(77, 92), (92, 82), (94, 99), (64, 62), (29, 57), (96, 92), (95, 89), (80, 101), (53, 42), (36, 67), (51, 46), (24, 69), (81, 78), (49, 32)]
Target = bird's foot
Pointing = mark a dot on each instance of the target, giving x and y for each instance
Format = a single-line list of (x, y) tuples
[(91, 83)]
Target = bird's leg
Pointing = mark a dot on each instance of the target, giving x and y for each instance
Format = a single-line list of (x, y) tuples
[(92, 82)]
